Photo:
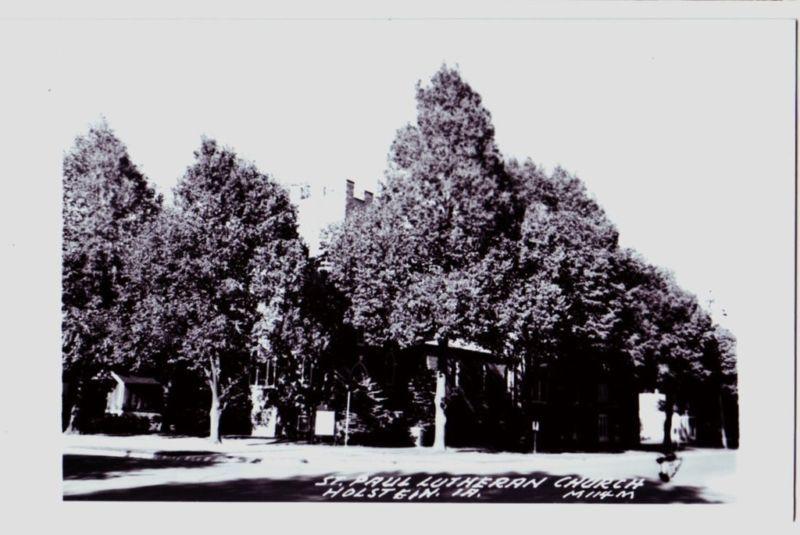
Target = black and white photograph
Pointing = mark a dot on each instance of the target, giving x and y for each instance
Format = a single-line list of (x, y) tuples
[(542, 261)]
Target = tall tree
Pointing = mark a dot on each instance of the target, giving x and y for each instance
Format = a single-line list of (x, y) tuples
[(563, 298), (672, 336), (151, 306), (723, 344), (719, 359), (295, 328), (233, 252), (579, 290), (415, 264), (460, 245), (107, 204)]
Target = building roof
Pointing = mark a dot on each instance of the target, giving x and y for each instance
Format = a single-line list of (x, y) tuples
[(460, 344), (464, 349), (134, 380)]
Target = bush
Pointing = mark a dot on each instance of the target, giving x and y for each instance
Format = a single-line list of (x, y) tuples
[(391, 433), (123, 424)]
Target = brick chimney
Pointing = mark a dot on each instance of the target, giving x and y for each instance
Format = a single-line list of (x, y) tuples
[(354, 203), (348, 200)]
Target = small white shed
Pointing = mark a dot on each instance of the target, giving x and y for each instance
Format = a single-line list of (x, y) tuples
[(141, 396)]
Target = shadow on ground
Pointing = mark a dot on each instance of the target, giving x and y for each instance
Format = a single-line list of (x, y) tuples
[(102, 467), (394, 487)]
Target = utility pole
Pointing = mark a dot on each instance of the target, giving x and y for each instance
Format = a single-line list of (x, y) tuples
[(347, 419), (349, 384)]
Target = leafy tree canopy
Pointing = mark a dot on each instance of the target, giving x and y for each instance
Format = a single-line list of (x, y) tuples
[(415, 264), (107, 204)]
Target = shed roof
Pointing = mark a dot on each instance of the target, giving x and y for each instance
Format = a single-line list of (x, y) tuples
[(135, 380)]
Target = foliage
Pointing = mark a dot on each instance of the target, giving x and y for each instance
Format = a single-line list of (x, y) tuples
[(371, 420), (414, 264), (577, 293), (460, 244), (296, 328), (107, 204), (720, 354), (218, 275), (562, 294), (123, 424), (419, 411), (672, 328)]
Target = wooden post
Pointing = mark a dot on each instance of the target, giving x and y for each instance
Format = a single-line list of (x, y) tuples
[(440, 419), (347, 420)]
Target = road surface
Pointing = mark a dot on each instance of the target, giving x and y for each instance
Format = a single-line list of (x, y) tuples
[(326, 473)]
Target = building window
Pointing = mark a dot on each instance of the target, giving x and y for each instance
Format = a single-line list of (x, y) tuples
[(602, 427), (602, 392), (135, 402), (307, 371), (266, 373), (303, 424), (537, 390), (511, 376), (271, 372)]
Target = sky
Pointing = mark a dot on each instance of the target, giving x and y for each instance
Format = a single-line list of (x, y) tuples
[(683, 130)]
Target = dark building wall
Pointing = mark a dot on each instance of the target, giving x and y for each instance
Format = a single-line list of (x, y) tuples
[(579, 408)]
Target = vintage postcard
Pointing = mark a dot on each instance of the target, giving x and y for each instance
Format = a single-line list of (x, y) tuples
[(544, 261)]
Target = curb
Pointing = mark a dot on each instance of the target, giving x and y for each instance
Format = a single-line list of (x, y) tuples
[(198, 457)]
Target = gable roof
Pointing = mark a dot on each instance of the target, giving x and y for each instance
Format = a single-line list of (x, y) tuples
[(135, 380)]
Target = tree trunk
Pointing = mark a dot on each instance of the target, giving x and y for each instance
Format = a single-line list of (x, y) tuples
[(167, 420), (215, 411), (440, 418), (723, 435), (72, 426), (668, 410), (214, 416), (74, 413)]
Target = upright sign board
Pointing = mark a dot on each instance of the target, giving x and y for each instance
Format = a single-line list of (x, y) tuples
[(324, 423)]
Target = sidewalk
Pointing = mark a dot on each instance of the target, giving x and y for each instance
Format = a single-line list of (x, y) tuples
[(237, 461), (254, 449), (158, 446)]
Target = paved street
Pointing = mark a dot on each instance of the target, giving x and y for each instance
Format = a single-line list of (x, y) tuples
[(155, 469)]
